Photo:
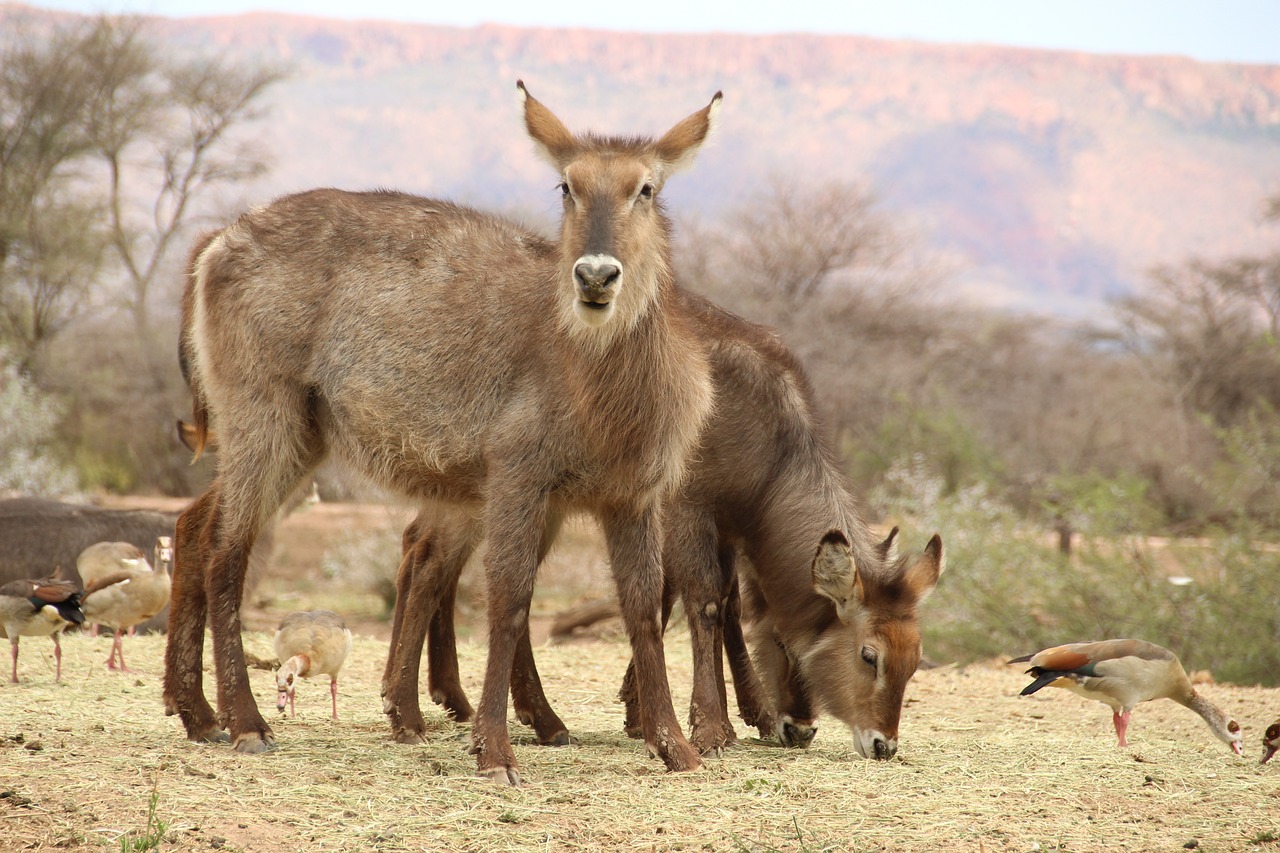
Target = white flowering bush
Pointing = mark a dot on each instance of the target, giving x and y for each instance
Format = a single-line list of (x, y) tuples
[(28, 465)]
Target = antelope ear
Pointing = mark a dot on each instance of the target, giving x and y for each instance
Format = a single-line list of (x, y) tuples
[(679, 145), (923, 575), (836, 577), (553, 141), (888, 549)]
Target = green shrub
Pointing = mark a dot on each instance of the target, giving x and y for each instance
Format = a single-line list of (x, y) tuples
[(1009, 590)]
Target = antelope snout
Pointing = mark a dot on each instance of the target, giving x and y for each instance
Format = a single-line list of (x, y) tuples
[(874, 744), (596, 277)]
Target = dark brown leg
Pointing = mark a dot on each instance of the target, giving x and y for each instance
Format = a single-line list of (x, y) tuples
[(795, 725), (184, 646), (746, 683), (443, 679), (414, 609), (635, 555), (697, 561), (224, 589), (627, 692), (527, 696), (515, 528)]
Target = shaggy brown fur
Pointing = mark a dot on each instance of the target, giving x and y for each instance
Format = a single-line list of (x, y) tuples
[(762, 487), (450, 356)]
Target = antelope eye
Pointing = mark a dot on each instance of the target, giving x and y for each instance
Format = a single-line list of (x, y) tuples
[(646, 191), (869, 656)]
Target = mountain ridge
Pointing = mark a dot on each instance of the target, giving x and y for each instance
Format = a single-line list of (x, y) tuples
[(1056, 177)]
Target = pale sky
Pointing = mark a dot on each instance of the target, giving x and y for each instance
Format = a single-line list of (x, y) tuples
[(1212, 30)]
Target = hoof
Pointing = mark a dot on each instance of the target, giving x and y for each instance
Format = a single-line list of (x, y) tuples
[(212, 736), (796, 734), (457, 707), (501, 776), (408, 736), (679, 757), (559, 739), (712, 743), (255, 744)]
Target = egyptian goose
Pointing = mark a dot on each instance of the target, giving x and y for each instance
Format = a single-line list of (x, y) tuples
[(1123, 673), (127, 596), (37, 608), (1271, 741), (309, 643)]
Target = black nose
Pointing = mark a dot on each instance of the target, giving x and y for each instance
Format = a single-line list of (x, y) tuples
[(594, 278), (883, 750)]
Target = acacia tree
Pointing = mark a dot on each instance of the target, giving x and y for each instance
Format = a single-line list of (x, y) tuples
[(108, 146), (50, 242), (1211, 332), (1212, 329)]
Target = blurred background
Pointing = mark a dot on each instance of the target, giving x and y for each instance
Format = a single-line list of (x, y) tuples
[(1035, 283)]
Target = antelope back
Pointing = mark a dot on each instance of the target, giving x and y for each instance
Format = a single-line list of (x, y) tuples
[(429, 345)]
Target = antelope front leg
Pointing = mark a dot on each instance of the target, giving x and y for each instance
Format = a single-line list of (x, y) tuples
[(794, 725), (237, 708), (635, 554), (511, 562), (184, 644), (443, 679), (705, 592)]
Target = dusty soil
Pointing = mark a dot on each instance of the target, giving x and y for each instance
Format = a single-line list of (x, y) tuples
[(92, 763), (979, 769)]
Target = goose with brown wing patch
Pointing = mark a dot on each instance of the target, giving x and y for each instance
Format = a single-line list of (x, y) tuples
[(1123, 674), (1271, 741), (38, 608)]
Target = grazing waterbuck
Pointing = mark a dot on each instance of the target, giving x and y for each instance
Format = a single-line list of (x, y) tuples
[(452, 356), (764, 503)]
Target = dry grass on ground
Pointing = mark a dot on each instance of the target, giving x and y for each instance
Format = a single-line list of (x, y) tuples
[(980, 769)]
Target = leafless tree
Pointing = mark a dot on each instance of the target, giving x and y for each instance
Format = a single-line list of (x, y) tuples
[(109, 145)]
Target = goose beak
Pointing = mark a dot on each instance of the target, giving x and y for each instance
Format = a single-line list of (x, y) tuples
[(1236, 748)]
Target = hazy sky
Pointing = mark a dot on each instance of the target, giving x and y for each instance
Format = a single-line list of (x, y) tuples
[(1216, 30)]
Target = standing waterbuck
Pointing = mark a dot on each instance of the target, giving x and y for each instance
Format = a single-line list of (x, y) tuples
[(452, 356), (764, 502)]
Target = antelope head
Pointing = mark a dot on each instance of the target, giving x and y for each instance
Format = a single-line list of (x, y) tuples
[(614, 239), (859, 666)]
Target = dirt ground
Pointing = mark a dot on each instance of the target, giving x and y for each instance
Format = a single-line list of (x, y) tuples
[(979, 769), (92, 763)]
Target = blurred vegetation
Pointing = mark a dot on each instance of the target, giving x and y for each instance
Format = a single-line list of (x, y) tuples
[(1014, 435)]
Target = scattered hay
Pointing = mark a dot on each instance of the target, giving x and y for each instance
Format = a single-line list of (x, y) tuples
[(979, 769)]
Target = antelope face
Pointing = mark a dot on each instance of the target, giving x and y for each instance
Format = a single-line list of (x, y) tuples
[(858, 668), (613, 232), (614, 237), (860, 677)]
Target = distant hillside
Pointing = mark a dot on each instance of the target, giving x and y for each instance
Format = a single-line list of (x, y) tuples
[(1057, 177)]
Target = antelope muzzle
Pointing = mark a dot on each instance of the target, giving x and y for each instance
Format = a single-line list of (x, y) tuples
[(597, 278)]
